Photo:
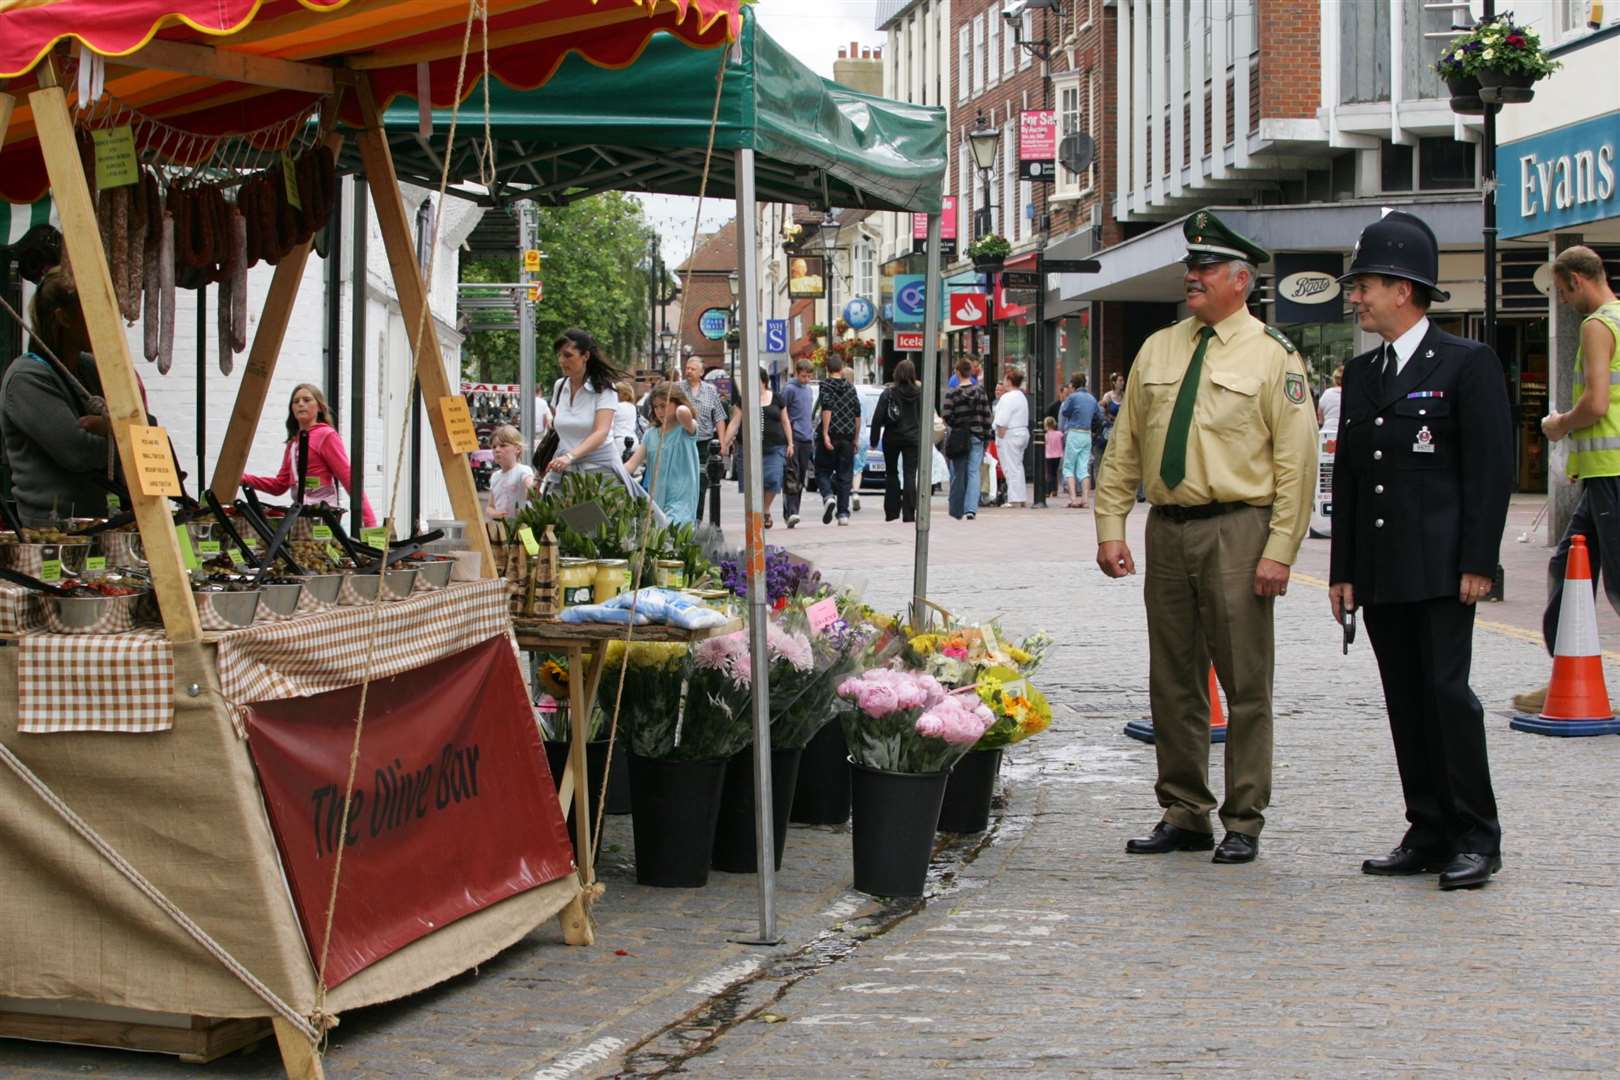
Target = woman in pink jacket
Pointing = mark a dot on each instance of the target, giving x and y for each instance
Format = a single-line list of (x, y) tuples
[(328, 460)]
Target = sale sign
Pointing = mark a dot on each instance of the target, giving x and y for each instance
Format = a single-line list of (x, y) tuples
[(968, 308), (1037, 144), (452, 810)]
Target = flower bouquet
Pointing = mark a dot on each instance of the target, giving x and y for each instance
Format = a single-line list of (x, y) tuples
[(786, 576), (1019, 709)]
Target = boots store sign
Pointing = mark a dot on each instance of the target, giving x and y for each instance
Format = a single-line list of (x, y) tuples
[(1308, 288), (1559, 178)]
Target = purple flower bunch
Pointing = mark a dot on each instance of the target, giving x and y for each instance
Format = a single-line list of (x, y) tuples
[(785, 575)]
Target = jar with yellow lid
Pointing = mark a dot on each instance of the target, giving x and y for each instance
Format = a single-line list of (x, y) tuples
[(576, 582), (670, 573), (612, 578)]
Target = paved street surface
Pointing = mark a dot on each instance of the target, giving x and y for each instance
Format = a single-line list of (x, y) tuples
[(1043, 950)]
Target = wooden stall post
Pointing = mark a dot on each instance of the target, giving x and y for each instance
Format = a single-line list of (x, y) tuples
[(118, 383), (300, 1059), (413, 305), (261, 365)]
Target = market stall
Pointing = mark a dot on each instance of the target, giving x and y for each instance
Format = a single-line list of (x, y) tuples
[(211, 823)]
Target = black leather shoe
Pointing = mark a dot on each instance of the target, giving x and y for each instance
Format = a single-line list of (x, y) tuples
[(1404, 861), (1469, 870), (1237, 847), (1166, 837)]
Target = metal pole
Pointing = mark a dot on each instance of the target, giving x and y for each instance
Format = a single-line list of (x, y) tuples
[(1035, 452), (333, 375), (357, 358), (202, 383), (925, 456), (526, 241), (754, 515)]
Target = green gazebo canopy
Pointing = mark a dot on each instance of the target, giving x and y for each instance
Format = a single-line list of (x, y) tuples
[(645, 128)]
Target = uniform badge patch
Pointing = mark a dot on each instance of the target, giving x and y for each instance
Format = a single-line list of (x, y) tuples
[(1294, 387), (1425, 441)]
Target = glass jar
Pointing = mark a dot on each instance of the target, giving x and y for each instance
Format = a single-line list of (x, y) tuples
[(670, 573), (612, 578), (576, 582)]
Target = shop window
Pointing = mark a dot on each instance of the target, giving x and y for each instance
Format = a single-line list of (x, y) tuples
[(1395, 167), (1445, 164)]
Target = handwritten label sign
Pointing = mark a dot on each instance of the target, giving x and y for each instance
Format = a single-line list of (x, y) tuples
[(289, 177), (822, 614), (154, 465), (530, 544), (96, 562), (50, 567), (237, 558), (375, 537), (458, 424), (322, 532), (208, 547), (114, 504), (334, 553), (312, 483), (116, 164)]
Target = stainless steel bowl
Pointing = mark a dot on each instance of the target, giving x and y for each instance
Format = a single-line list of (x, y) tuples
[(30, 558), (435, 570), (200, 530), (363, 588), (92, 614), (227, 610), (323, 588), (281, 600), (121, 549)]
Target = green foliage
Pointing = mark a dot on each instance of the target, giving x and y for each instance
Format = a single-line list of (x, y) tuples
[(596, 277), (1498, 45), (989, 246), (613, 539)]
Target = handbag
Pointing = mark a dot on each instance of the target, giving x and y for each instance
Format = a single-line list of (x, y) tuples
[(958, 441), (547, 449)]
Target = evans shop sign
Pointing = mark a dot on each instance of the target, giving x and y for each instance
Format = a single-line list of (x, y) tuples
[(1559, 178)]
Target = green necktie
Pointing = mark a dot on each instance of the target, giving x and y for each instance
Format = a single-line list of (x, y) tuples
[(1173, 466)]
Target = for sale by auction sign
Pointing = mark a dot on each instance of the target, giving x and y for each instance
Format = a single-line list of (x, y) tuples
[(1037, 144), (452, 809), (947, 230)]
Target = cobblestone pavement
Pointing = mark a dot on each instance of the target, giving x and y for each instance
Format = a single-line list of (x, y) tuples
[(1043, 950)]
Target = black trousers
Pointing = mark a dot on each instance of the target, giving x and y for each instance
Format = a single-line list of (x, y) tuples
[(1424, 651), (799, 466), (900, 479), (835, 470), (706, 449), (1596, 517)]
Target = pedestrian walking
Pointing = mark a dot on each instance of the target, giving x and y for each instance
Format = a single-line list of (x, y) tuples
[(710, 413), (1593, 430), (1054, 452), (1075, 420), (776, 440), (840, 406), (967, 429), (896, 430), (1216, 420), (799, 398), (1421, 481), (668, 451), (1012, 437)]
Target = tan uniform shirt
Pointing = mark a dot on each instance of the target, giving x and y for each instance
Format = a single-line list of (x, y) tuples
[(1253, 437)]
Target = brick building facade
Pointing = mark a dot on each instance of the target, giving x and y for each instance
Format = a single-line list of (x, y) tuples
[(705, 283)]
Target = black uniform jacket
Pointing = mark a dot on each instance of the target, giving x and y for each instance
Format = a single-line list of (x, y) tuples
[(1422, 471)]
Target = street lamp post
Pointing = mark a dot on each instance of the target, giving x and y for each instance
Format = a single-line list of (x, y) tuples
[(734, 282), (829, 248), (985, 143)]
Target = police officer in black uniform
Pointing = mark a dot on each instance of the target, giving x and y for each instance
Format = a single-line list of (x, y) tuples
[(1420, 496)]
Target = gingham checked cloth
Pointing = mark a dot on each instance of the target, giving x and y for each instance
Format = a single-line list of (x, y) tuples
[(20, 610), (313, 654), (95, 682)]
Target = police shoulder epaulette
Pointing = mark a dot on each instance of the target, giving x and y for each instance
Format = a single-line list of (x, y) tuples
[(1280, 338)]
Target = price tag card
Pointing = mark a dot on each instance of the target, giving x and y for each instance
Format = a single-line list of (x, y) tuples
[(51, 563), (116, 163), (208, 547), (334, 552), (312, 483), (322, 532), (375, 537), (188, 554), (96, 562), (1016, 688), (154, 465), (114, 505), (289, 176), (530, 544), (237, 557), (822, 614), (458, 424)]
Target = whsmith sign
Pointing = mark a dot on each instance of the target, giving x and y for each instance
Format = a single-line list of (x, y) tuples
[(1559, 178)]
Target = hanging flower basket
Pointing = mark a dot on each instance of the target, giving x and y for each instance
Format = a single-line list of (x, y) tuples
[(1503, 57), (1499, 87), (989, 253), (1465, 95)]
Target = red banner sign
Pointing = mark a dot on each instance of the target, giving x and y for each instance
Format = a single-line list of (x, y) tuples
[(453, 807), (1037, 144), (908, 341), (947, 221), (968, 308)]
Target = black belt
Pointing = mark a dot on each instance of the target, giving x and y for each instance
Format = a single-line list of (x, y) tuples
[(1199, 513)]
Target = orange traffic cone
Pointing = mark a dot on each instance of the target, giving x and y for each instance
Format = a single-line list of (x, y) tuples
[(1143, 729), (1577, 700)]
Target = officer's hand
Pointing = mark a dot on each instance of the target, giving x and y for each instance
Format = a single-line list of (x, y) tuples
[(1343, 598), (1552, 426), (1473, 588), (1114, 556), (1270, 578)]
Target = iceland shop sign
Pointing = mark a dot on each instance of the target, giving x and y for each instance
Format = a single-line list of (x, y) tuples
[(1559, 178)]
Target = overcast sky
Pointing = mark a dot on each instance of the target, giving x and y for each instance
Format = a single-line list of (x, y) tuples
[(813, 31)]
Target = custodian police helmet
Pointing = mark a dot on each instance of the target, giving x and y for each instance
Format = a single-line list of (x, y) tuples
[(1399, 245)]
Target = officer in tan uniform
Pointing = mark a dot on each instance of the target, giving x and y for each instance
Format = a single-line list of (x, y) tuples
[(1219, 427)]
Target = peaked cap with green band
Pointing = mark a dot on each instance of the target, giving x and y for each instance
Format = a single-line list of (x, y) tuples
[(1210, 240)]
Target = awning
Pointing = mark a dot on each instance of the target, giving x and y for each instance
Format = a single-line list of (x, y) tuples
[(645, 128), (388, 39)]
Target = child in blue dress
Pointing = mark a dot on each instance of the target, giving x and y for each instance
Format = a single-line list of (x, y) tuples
[(668, 449)]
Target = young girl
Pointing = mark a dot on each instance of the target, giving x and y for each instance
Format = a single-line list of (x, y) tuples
[(328, 462), (510, 486), (669, 451), (1054, 453)]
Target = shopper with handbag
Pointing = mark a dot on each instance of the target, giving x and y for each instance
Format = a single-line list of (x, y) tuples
[(967, 425)]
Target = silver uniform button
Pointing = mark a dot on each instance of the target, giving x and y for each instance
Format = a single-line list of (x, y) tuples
[(1379, 524), (1378, 455), (1423, 412), (1378, 489), (1378, 422)]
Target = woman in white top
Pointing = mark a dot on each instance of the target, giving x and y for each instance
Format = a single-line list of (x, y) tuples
[(1012, 437), (1327, 409), (583, 406)]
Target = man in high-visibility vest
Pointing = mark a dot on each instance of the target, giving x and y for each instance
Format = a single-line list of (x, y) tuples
[(1593, 428)]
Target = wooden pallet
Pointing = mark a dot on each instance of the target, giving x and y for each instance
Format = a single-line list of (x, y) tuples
[(194, 1039)]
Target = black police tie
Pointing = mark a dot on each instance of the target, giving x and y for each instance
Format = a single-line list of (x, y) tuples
[(1386, 371)]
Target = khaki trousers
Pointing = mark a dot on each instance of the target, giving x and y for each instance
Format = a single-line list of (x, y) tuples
[(1201, 607)]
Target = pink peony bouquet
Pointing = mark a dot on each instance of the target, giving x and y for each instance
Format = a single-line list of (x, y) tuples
[(904, 721), (716, 714)]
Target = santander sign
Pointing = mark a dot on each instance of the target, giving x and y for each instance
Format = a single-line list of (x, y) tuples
[(968, 308)]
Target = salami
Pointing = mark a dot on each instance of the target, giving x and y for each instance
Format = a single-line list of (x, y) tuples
[(152, 299), (118, 255), (227, 354), (237, 280), (139, 194), (166, 276)]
